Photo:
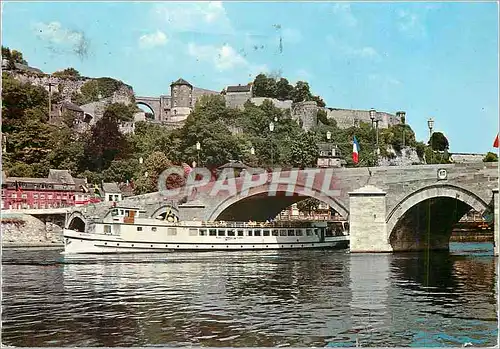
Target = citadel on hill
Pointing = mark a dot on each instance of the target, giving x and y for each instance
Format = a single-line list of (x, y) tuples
[(171, 110), (174, 108)]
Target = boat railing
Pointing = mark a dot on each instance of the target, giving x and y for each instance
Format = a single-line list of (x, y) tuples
[(255, 225)]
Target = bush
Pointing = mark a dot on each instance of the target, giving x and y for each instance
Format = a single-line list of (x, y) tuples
[(491, 157)]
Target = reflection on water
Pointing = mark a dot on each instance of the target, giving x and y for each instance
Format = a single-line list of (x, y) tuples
[(293, 298)]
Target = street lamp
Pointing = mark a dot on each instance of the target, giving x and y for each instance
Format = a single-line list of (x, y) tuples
[(271, 128), (198, 147), (252, 150), (372, 115), (375, 120), (430, 124), (328, 135), (402, 117)]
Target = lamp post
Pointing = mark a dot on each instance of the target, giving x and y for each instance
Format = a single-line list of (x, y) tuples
[(430, 124), (372, 115), (328, 135), (198, 147), (271, 128), (50, 97), (402, 118), (375, 120)]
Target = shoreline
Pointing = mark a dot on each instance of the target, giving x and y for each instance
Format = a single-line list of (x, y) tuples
[(33, 245)]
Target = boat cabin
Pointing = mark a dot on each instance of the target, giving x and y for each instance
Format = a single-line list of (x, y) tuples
[(124, 215)]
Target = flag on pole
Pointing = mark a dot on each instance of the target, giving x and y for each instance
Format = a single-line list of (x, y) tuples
[(355, 150), (495, 143)]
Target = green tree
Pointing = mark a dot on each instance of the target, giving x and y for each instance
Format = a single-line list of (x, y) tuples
[(67, 73), (439, 142), (284, 90), (19, 102), (119, 112), (105, 144), (308, 205), (154, 165), (122, 170), (491, 157), (301, 92)]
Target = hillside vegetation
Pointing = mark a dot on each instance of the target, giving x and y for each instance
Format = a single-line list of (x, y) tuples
[(103, 153)]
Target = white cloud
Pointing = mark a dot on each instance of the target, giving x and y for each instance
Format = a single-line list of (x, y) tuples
[(342, 12), (223, 58), (410, 23), (364, 52), (54, 32), (202, 17), (152, 40)]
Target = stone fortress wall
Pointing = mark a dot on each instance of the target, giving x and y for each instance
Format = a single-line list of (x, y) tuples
[(172, 110)]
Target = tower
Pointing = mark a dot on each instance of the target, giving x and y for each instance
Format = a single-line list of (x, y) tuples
[(181, 99)]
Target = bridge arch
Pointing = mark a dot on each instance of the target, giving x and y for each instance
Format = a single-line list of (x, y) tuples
[(148, 106), (279, 202), (432, 210), (76, 221), (162, 210)]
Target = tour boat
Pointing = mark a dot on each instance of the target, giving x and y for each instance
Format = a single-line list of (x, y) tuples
[(128, 230)]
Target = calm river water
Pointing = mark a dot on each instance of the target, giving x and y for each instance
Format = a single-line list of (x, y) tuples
[(287, 298)]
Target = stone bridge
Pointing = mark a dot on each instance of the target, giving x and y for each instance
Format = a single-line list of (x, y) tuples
[(156, 104), (396, 208)]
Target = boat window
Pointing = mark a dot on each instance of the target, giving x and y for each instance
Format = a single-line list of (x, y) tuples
[(126, 212), (249, 232), (275, 232), (114, 212), (172, 231), (240, 232), (266, 233), (193, 232), (212, 232), (256, 233), (298, 232), (316, 231), (139, 228), (282, 232), (203, 232), (291, 232), (221, 232), (230, 232), (309, 232), (121, 212), (107, 229), (153, 228)]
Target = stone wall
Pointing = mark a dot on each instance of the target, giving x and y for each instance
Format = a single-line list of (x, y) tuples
[(306, 114), (276, 102), (407, 156), (346, 118), (65, 87), (237, 99), (26, 230)]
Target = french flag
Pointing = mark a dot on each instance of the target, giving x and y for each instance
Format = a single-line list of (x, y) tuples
[(355, 150)]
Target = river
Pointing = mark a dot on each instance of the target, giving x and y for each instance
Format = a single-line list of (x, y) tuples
[(281, 298)]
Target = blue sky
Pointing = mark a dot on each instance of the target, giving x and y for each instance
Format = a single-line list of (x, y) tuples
[(435, 60)]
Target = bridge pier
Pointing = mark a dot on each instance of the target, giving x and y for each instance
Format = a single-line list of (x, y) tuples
[(496, 222), (367, 220)]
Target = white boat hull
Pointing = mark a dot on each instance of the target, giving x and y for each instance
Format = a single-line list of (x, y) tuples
[(88, 243)]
